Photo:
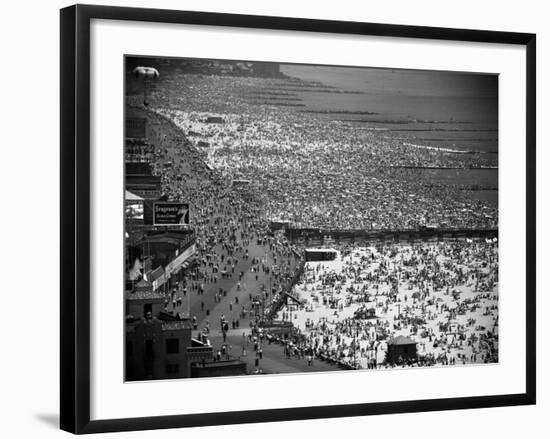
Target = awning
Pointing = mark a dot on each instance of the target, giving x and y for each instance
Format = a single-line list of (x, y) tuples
[(129, 196)]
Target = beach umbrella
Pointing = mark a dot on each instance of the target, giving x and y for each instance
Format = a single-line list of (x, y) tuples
[(147, 74)]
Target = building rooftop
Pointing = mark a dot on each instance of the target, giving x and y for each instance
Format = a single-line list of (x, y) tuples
[(143, 294), (176, 325), (401, 340), (165, 235), (174, 238), (143, 285), (157, 273), (129, 196)]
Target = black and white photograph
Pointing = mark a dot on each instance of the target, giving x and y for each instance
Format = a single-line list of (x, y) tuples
[(275, 219), (289, 218)]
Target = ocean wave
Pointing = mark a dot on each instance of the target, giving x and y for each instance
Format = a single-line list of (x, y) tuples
[(435, 148)]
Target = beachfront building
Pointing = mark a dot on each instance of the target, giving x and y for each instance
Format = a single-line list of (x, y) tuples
[(133, 209), (401, 349), (141, 182), (156, 342), (135, 128), (157, 349), (159, 345), (169, 253), (320, 254)]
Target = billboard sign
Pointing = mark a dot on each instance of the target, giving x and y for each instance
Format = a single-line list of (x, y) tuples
[(170, 214)]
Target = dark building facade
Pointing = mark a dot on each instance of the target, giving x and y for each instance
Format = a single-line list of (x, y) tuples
[(158, 345), (157, 349), (320, 254), (401, 349)]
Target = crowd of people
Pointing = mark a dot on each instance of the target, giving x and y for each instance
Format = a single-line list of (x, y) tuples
[(316, 172), (312, 172), (232, 238), (329, 183), (443, 296)]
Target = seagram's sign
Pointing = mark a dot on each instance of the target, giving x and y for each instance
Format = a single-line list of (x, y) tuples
[(170, 214)]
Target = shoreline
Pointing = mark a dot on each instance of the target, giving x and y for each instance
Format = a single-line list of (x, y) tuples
[(482, 168)]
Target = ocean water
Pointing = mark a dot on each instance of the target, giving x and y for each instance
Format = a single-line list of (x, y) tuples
[(450, 110), (418, 94), (463, 107), (439, 109)]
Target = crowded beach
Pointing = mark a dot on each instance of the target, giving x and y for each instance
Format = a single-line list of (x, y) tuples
[(243, 165)]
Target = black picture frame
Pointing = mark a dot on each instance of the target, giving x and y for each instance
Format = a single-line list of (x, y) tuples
[(75, 217)]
